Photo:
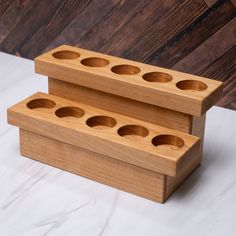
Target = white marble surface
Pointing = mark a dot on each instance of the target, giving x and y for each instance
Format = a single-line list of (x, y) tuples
[(36, 199)]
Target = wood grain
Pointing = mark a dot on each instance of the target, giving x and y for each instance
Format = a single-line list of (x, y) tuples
[(135, 28), (116, 137), (4, 4), (115, 173), (12, 16), (221, 39), (121, 175), (181, 92), (139, 110), (225, 69), (119, 16), (195, 34), (169, 33), (159, 33), (76, 30)]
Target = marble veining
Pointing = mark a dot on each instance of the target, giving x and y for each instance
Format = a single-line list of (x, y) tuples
[(36, 199)]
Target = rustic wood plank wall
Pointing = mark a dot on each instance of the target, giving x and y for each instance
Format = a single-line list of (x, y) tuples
[(194, 36)]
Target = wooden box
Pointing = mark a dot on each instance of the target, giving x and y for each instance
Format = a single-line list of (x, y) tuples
[(136, 127)]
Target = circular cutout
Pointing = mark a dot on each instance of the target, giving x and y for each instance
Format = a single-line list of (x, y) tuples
[(70, 113), (133, 132), (41, 103), (66, 55), (159, 77), (168, 140), (125, 70), (95, 62), (193, 85), (101, 122)]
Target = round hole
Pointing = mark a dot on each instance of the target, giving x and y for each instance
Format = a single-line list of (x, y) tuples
[(193, 85), (95, 62), (66, 54), (41, 103), (168, 140), (69, 113), (101, 122), (157, 77), (133, 132), (125, 70)]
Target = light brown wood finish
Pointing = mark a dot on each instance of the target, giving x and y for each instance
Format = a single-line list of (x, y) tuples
[(134, 141), (178, 91), (115, 173), (142, 111), (172, 183), (121, 175), (126, 124), (129, 107), (198, 129)]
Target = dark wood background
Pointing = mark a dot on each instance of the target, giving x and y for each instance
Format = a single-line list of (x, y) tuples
[(194, 36)]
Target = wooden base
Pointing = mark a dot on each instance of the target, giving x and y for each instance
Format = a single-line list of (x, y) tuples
[(130, 178)]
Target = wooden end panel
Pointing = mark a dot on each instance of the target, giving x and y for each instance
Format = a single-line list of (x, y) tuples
[(172, 183), (198, 129)]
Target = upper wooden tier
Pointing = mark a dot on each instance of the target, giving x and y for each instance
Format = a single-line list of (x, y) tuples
[(174, 90)]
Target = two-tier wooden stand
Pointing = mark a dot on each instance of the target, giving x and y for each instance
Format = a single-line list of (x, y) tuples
[(136, 127)]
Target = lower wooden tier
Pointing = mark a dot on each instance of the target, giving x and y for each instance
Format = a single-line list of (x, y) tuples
[(127, 177)]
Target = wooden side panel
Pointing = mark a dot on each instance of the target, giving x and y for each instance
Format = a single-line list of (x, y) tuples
[(197, 129), (118, 174), (122, 105), (173, 183), (198, 126)]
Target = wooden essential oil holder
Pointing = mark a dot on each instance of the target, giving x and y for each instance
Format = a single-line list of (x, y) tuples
[(132, 126)]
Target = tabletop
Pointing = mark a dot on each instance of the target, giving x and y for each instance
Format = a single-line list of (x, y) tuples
[(36, 199)]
